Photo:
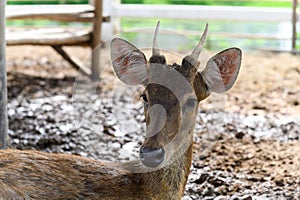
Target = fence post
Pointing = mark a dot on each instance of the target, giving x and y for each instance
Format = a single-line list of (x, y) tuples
[(96, 40), (294, 24), (3, 85)]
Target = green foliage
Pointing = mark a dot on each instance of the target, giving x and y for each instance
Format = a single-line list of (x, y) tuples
[(155, 2), (132, 1), (21, 23), (298, 41)]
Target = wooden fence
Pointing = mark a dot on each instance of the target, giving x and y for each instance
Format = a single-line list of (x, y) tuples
[(205, 13), (61, 36)]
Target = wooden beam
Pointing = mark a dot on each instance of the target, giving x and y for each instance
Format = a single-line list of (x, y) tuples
[(59, 12), (294, 22), (3, 79), (64, 13), (215, 34), (231, 13), (96, 40), (78, 65), (49, 36)]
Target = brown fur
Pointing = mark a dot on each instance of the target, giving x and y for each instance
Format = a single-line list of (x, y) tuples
[(38, 175)]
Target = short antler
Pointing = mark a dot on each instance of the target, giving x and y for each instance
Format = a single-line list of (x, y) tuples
[(155, 48), (190, 63), (196, 53), (156, 57)]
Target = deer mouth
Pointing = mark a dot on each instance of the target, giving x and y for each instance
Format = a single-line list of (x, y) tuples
[(151, 157)]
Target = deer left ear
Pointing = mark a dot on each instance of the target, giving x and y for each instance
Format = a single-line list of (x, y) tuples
[(129, 63), (222, 69)]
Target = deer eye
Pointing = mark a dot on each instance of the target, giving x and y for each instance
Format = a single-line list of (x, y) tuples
[(144, 97)]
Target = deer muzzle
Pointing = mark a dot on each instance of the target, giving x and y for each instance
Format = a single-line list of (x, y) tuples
[(151, 157)]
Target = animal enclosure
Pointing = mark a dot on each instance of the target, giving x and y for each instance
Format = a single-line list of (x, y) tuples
[(247, 148)]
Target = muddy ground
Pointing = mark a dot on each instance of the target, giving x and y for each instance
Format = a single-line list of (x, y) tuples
[(246, 147)]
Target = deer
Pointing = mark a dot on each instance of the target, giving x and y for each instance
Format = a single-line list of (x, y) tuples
[(171, 97)]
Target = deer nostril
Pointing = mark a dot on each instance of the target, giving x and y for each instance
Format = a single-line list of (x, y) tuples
[(152, 157)]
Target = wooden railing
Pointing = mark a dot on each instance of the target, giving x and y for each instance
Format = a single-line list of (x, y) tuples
[(208, 13), (62, 36)]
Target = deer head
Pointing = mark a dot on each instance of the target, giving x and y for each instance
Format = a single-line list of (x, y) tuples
[(172, 93)]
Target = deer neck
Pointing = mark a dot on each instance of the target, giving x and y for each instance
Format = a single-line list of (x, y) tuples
[(169, 182), (165, 183)]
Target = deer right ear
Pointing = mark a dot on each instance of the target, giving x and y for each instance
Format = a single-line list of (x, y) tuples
[(222, 69), (129, 63)]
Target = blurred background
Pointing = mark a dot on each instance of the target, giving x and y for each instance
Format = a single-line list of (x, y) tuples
[(249, 24)]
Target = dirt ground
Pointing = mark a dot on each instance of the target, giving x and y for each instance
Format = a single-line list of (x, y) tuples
[(252, 154)]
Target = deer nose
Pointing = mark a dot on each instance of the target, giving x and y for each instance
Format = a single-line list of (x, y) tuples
[(152, 157)]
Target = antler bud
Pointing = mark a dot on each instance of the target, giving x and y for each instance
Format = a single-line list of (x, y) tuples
[(155, 48), (156, 57), (196, 53), (190, 63)]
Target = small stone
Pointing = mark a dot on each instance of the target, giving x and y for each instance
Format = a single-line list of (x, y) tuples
[(239, 135), (186, 198), (208, 192), (216, 182), (246, 198), (222, 198), (279, 182), (202, 178), (222, 190)]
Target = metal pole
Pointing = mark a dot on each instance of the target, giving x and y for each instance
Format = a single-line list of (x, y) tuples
[(3, 79), (294, 24)]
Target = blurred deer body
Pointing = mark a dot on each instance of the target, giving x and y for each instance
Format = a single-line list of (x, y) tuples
[(171, 96), (38, 175)]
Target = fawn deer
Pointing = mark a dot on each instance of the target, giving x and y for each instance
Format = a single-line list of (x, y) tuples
[(172, 94)]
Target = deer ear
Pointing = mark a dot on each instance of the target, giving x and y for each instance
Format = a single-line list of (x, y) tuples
[(129, 63), (222, 69)]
